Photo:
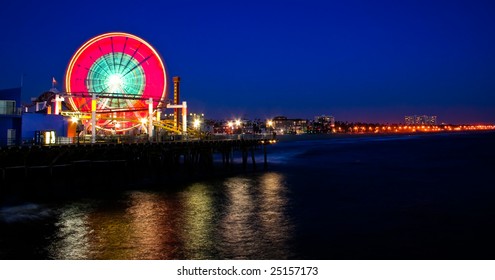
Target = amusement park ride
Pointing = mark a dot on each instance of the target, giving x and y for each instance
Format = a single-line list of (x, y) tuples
[(117, 83)]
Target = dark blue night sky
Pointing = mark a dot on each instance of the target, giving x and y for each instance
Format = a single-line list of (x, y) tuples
[(372, 61)]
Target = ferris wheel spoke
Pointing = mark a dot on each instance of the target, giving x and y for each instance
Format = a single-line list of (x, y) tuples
[(95, 73), (135, 112), (105, 57), (103, 104), (113, 54), (95, 78), (139, 64), (130, 104), (104, 89), (99, 66), (122, 54), (119, 103), (132, 56)]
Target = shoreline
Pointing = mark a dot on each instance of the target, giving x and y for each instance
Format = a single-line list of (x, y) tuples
[(306, 136)]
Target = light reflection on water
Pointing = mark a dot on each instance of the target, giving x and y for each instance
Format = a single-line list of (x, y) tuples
[(273, 217), (199, 219), (71, 241), (152, 221), (244, 217), (239, 226)]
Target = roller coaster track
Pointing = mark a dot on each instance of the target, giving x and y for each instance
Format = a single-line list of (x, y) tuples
[(164, 124)]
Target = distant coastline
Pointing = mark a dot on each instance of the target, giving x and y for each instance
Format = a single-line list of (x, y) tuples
[(307, 136)]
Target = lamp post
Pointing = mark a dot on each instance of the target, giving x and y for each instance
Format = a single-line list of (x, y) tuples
[(238, 125), (230, 124)]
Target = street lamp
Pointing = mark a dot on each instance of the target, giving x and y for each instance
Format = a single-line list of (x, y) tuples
[(196, 123), (197, 126), (230, 124), (269, 125)]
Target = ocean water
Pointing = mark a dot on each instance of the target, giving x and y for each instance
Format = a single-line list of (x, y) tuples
[(422, 196)]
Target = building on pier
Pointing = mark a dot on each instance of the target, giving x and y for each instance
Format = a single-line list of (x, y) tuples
[(10, 117)]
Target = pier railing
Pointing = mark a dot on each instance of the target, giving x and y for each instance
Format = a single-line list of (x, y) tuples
[(129, 139)]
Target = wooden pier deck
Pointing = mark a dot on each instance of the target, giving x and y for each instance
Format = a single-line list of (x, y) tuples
[(35, 169)]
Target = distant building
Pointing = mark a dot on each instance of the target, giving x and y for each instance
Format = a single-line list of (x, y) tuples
[(322, 124), (283, 125), (325, 119), (422, 119)]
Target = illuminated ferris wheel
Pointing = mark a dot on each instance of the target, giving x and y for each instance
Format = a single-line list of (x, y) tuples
[(123, 71)]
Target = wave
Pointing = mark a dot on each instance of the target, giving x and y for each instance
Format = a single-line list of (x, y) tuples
[(24, 213), (321, 147)]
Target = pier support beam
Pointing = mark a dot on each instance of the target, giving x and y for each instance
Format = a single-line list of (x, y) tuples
[(253, 158), (265, 156), (184, 118), (150, 119)]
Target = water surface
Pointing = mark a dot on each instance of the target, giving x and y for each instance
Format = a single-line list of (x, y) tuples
[(370, 197)]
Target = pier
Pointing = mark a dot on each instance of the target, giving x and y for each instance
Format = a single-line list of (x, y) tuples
[(36, 169)]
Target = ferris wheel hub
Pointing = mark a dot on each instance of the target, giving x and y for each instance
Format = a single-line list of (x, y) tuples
[(115, 83)]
